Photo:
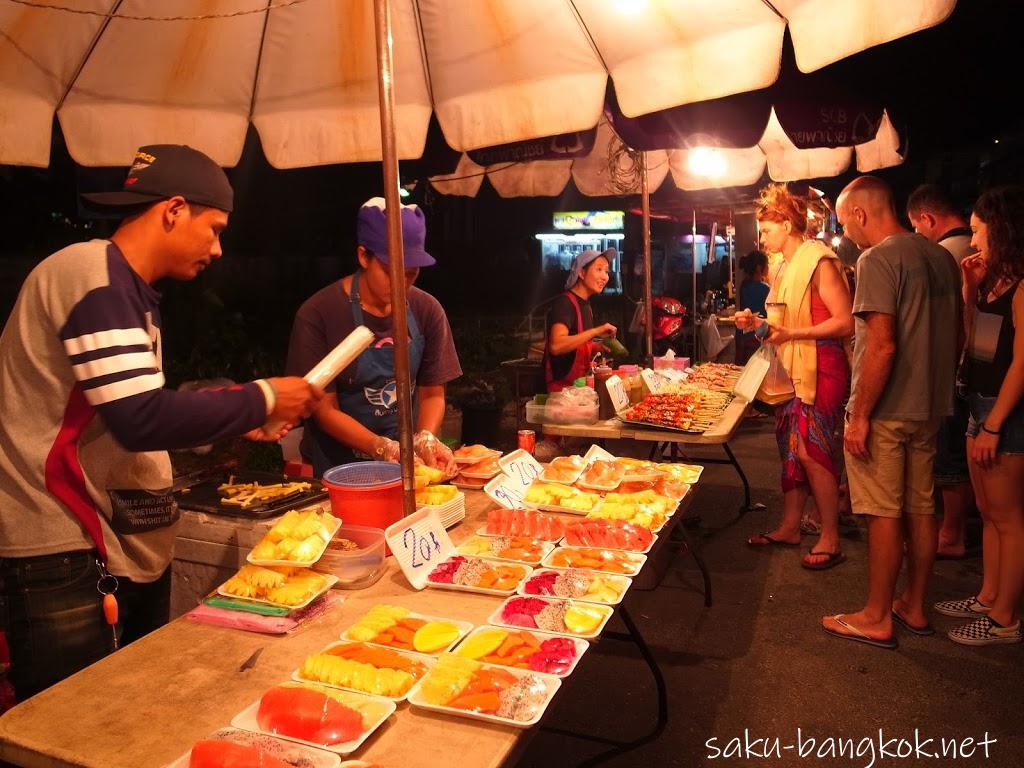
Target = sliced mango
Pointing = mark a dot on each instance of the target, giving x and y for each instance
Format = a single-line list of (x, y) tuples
[(435, 635), (483, 643)]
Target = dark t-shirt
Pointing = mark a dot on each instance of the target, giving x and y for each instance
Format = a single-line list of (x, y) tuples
[(753, 295), (990, 347), (326, 318), (562, 311)]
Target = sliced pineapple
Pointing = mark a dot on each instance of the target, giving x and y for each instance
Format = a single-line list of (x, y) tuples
[(261, 578), (239, 588)]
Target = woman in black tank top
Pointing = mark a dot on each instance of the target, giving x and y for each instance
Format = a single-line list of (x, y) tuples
[(994, 311)]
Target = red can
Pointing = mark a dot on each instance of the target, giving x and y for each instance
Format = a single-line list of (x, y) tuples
[(527, 440)]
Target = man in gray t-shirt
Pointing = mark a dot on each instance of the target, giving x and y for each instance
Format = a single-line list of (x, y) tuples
[(906, 311), (916, 282)]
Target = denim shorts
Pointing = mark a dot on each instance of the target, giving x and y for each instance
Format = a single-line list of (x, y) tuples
[(1012, 438)]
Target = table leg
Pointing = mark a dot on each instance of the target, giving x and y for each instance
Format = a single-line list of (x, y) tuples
[(680, 536), (747, 506), (632, 634)]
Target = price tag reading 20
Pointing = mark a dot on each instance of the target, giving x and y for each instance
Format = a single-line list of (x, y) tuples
[(419, 543), (421, 546), (518, 470)]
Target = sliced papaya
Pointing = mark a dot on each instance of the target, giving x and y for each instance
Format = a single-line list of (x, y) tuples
[(486, 701)]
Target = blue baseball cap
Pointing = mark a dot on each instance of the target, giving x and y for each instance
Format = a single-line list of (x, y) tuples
[(372, 232)]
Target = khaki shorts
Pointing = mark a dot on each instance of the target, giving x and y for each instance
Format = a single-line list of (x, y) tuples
[(898, 478)]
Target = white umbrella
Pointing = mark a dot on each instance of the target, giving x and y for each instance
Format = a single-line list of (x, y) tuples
[(118, 74), (692, 166), (123, 73)]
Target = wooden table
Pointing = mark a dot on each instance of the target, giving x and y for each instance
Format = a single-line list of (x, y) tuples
[(148, 703), (720, 434)]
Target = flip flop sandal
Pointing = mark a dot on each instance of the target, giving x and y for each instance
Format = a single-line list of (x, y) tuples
[(924, 631), (832, 559), (768, 541), (809, 526), (859, 637)]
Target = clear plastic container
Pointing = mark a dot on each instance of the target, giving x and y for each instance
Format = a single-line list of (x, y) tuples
[(355, 568), (563, 414)]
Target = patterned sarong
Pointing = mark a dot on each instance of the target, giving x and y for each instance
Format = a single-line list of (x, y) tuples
[(818, 425)]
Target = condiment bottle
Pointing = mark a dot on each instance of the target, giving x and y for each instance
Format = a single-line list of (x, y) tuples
[(605, 408)]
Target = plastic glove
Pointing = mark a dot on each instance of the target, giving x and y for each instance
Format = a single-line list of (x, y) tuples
[(434, 453), (386, 449)]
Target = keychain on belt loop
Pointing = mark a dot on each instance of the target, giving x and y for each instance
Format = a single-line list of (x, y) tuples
[(106, 585)]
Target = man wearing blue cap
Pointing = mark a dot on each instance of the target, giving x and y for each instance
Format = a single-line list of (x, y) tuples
[(358, 419)]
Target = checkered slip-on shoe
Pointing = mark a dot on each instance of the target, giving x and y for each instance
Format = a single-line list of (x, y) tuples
[(984, 631), (968, 608)]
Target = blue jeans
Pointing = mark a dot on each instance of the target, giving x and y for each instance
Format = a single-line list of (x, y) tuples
[(53, 616)]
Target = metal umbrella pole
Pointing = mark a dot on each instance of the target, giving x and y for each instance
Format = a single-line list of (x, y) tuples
[(648, 314), (693, 252), (396, 251)]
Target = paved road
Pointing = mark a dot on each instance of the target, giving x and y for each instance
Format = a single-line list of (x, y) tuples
[(757, 661)]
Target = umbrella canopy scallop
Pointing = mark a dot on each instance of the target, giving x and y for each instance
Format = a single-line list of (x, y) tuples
[(122, 73)]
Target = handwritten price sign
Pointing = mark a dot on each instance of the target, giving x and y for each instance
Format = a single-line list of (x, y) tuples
[(518, 470), (419, 542), (617, 391), (505, 491), (420, 547)]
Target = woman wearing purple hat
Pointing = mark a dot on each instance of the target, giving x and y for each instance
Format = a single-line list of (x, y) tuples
[(571, 330)]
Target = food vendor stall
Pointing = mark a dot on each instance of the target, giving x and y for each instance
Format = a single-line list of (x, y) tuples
[(127, 709)]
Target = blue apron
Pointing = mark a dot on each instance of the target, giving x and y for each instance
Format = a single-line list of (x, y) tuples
[(373, 399)]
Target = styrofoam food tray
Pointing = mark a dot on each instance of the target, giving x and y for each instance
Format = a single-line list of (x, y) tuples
[(427, 661), (597, 452), (640, 475), (567, 480), (601, 488), (636, 560), (481, 475), (561, 510), (295, 563), (546, 546), (312, 757), (482, 531), (624, 582), (491, 454), (579, 643), (550, 683), (464, 628), (468, 486), (454, 503), (247, 719), (654, 540), (699, 468), (484, 590), (495, 618), (330, 581)]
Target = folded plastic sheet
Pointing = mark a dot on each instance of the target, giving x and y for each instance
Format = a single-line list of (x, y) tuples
[(270, 625)]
